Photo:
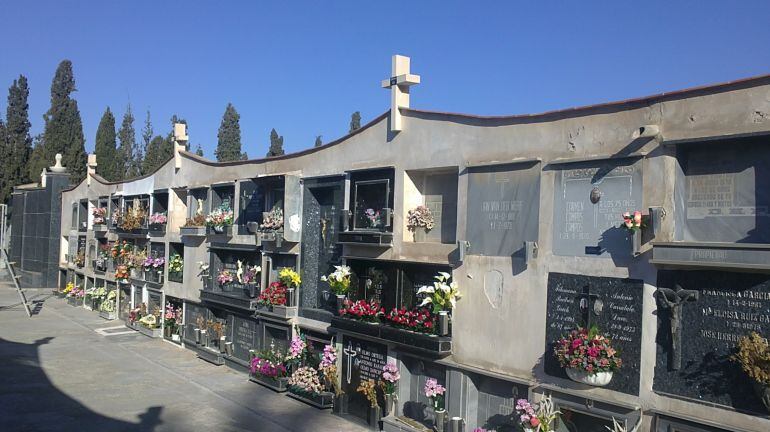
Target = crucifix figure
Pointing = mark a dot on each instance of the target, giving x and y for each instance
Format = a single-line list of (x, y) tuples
[(350, 352), (590, 304), (673, 300), (398, 83)]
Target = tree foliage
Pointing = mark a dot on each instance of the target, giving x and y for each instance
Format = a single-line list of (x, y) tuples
[(105, 148), (355, 121), (318, 142), (229, 136), (276, 144), (15, 138), (63, 129), (199, 151), (127, 154)]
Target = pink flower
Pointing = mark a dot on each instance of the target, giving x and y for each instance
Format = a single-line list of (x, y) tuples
[(637, 217), (534, 421)]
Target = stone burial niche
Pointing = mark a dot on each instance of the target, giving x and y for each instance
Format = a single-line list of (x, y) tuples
[(436, 190), (362, 360), (270, 209), (322, 222), (231, 282), (503, 208), (702, 315), (369, 208), (589, 200), (158, 216), (722, 206), (613, 305)]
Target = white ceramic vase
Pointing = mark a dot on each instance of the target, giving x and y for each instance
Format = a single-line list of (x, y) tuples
[(599, 379)]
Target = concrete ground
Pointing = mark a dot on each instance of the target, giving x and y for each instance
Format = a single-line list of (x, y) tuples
[(58, 374)]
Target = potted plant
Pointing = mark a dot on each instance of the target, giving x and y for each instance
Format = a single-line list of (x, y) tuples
[(435, 393), (369, 389), (107, 306), (419, 221), (388, 382), (536, 417), (587, 356), (339, 283), (268, 368), (754, 357), (443, 297), (175, 267), (220, 218)]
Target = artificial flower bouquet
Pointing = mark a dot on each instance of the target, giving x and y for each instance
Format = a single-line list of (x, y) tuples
[(373, 218), (100, 215), (362, 310), (632, 221), (220, 218), (225, 277), (289, 277), (420, 217), (274, 294), (587, 356), (121, 273), (196, 221), (269, 364), (443, 295), (272, 220), (339, 280), (158, 218), (389, 378), (435, 393), (536, 416), (416, 320)]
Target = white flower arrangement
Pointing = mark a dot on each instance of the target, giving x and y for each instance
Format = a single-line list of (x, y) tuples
[(339, 279), (443, 295)]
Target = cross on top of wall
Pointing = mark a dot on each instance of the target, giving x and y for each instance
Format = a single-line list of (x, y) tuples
[(398, 83)]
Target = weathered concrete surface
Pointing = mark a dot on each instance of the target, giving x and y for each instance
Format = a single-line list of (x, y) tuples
[(58, 374)]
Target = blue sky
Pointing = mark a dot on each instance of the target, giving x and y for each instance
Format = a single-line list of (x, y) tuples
[(304, 67)]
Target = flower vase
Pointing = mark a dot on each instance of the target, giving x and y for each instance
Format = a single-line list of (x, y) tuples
[(340, 302), (763, 392), (443, 323), (197, 332), (599, 379), (373, 417), (439, 419), (420, 234), (390, 405), (340, 404), (636, 238), (219, 229), (252, 290), (204, 338), (222, 341), (167, 330)]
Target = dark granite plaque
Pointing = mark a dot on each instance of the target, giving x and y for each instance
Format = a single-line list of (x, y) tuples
[(415, 403), (361, 360), (614, 305), (276, 335), (192, 312), (245, 336), (582, 228), (503, 203), (721, 196), (729, 305), (495, 402)]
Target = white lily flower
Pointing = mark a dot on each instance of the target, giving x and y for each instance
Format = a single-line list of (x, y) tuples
[(426, 289), (443, 287), (453, 302), (323, 278), (426, 301)]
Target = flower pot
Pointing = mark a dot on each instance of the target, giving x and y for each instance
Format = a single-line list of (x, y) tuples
[(443, 323), (175, 337), (167, 331), (373, 416), (763, 392), (252, 290), (204, 338), (222, 344), (197, 332), (219, 229), (599, 379), (340, 404), (420, 234), (390, 406), (340, 302), (439, 418), (456, 424), (229, 349), (636, 239)]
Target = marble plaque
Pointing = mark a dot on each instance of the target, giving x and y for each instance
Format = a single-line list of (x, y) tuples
[(245, 336), (503, 208), (361, 360), (583, 228), (729, 306), (192, 312), (614, 305), (721, 195)]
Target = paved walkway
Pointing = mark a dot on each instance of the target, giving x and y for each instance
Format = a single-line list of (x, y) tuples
[(58, 374)]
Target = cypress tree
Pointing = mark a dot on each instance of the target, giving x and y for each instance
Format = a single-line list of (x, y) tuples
[(355, 121), (63, 128), (105, 148), (153, 157), (199, 151), (146, 139), (4, 164), (318, 142), (276, 144), (37, 158), (127, 150), (17, 140), (229, 136)]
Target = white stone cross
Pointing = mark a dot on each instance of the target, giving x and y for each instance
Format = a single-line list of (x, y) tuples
[(350, 352), (398, 83)]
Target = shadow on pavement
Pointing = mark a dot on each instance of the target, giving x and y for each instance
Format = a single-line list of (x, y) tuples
[(30, 402)]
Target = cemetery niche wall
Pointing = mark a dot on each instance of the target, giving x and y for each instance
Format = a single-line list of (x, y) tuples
[(589, 199), (701, 317)]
